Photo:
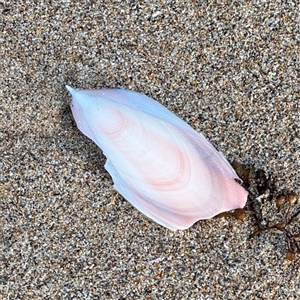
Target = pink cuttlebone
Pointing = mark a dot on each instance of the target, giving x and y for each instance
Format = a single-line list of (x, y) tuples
[(160, 164)]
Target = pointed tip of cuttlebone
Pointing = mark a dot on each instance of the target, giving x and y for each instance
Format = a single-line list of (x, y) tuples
[(71, 90)]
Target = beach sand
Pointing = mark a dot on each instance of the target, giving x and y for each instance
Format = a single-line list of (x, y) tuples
[(228, 68)]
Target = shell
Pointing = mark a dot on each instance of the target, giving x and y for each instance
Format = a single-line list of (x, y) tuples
[(162, 166)]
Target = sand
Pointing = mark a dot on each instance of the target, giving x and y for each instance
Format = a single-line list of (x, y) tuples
[(228, 68)]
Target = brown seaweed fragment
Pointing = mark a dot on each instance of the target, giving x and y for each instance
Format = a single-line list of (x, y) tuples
[(272, 210)]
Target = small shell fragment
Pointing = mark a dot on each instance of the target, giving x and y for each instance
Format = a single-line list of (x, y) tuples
[(162, 166)]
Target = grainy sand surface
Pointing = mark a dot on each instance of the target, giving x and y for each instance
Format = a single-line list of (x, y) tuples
[(229, 68)]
